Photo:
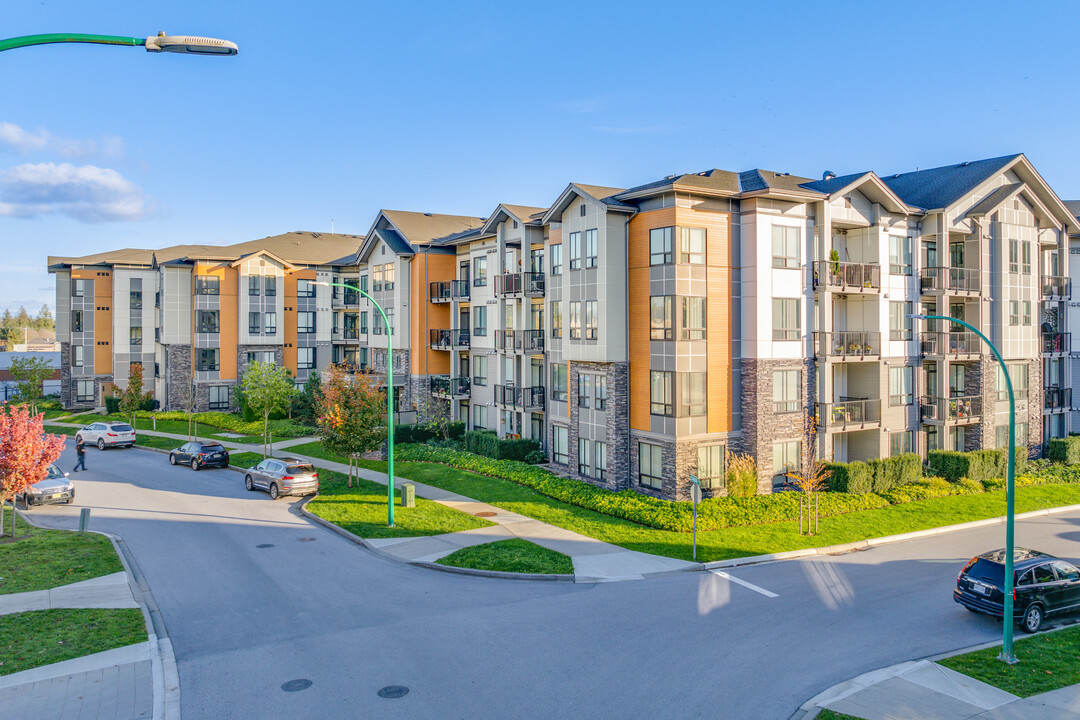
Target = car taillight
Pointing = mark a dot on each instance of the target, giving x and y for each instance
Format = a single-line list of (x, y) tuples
[(287, 477), (315, 475), (1014, 594), (112, 435)]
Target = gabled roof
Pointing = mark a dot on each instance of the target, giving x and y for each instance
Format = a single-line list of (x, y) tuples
[(867, 183), (994, 199), (721, 182), (938, 188), (522, 213), (835, 184), (1074, 207), (418, 228), (263, 253), (606, 195)]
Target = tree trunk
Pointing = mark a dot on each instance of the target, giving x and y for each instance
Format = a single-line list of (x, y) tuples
[(2, 503)]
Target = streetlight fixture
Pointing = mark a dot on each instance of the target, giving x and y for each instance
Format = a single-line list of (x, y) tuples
[(389, 396), (1007, 653), (185, 44)]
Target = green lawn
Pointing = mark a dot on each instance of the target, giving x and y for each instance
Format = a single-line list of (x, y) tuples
[(362, 510), (48, 558), (315, 450), (154, 441), (514, 555), (245, 459), (43, 637), (827, 714), (1047, 662), (58, 430)]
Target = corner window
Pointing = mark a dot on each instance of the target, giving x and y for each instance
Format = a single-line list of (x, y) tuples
[(206, 321), (785, 244), (78, 288), (693, 318), (661, 393), (651, 465), (660, 241), (660, 317), (693, 389), (692, 246)]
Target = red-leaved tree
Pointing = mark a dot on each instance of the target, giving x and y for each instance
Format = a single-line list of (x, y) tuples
[(25, 454), (351, 414)]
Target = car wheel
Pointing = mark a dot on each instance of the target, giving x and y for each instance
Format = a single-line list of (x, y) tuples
[(1033, 618), (195, 464), (101, 443), (248, 484), (172, 459), (274, 494)]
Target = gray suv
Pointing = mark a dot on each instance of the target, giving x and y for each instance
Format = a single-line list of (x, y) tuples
[(283, 476)]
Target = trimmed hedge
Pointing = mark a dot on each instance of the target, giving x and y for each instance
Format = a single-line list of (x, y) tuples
[(231, 423), (488, 444), (1065, 450), (874, 476), (978, 465)]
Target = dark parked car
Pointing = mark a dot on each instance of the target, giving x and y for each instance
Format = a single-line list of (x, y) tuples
[(200, 455), (55, 488), (1043, 586), (283, 476)]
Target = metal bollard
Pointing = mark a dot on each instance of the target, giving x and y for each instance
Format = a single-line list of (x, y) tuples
[(408, 495), (84, 519)]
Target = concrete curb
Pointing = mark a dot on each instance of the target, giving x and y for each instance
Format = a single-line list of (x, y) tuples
[(495, 573)]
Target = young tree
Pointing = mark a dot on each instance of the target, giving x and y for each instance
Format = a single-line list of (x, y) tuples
[(811, 476), (268, 388), (187, 398), (133, 398), (303, 407), (30, 373), (350, 411), (436, 414), (25, 454)]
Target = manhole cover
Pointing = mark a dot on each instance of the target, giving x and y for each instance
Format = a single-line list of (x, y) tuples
[(307, 539), (393, 691), (486, 513), (265, 545), (298, 684)]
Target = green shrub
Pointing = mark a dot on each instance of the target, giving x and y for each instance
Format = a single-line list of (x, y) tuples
[(482, 442), (877, 475), (488, 444), (413, 434), (456, 430), (112, 404), (1065, 450), (232, 423), (978, 465), (851, 477)]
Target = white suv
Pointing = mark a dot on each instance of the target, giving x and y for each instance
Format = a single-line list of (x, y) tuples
[(107, 434)]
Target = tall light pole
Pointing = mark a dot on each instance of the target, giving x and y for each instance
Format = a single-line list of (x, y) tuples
[(186, 44), (1007, 653), (389, 396)]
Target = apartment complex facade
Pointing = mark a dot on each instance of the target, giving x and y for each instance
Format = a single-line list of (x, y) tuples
[(640, 333)]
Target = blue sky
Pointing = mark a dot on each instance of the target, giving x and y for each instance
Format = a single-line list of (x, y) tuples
[(333, 110)]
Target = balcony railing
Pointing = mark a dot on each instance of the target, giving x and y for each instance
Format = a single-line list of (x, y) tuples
[(950, 344), (847, 277), (849, 414), (448, 339), (450, 387), (943, 279), (529, 342), (848, 345), (351, 333), (459, 289), (1056, 286), (352, 367), (1057, 398), (523, 283), (1056, 343), (955, 409), (524, 398), (440, 292)]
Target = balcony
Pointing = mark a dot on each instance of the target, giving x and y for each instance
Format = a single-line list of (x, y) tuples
[(527, 342), (352, 367), (847, 277), (957, 281), (1057, 398), (958, 410), (440, 292), (448, 339), (450, 388), (351, 333), (459, 289), (964, 345), (1056, 287), (520, 398), (530, 284), (848, 345), (1056, 343), (863, 414)]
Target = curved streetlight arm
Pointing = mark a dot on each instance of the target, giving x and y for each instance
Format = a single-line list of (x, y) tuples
[(49, 38), (1007, 653), (187, 44)]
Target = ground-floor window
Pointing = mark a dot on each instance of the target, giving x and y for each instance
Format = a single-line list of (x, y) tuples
[(650, 465), (560, 444), (219, 397), (601, 460), (584, 457), (710, 467), (786, 455), (84, 391), (479, 417), (901, 442)]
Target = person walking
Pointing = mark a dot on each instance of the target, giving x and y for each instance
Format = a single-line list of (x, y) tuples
[(80, 452)]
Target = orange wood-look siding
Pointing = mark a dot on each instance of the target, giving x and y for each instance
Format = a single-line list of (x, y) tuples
[(638, 260), (227, 278), (288, 351), (425, 315), (554, 236), (229, 319), (103, 322)]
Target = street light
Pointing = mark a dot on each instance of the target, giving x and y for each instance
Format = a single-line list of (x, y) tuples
[(389, 397), (185, 44), (1007, 653)]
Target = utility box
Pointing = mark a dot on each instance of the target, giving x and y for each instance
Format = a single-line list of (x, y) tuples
[(408, 495)]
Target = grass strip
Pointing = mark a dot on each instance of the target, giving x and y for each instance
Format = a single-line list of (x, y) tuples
[(827, 714), (39, 559), (514, 555), (43, 637), (1047, 662), (245, 459)]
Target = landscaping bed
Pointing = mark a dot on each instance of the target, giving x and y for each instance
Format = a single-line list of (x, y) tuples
[(177, 422), (42, 559), (514, 555), (1048, 661), (43, 637)]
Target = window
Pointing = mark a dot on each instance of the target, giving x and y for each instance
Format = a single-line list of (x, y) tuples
[(84, 391), (560, 444), (901, 327), (1014, 312), (305, 322), (78, 288), (660, 393), (575, 250), (692, 246), (206, 359), (363, 328), (786, 456), (601, 460), (650, 465), (901, 386), (254, 284), (584, 457), (660, 317), (363, 283), (388, 276), (899, 255), (207, 285), (376, 278), (270, 323), (1014, 256), (479, 416), (693, 318), (582, 208), (591, 328), (1026, 316), (1025, 257), (271, 286), (694, 400), (901, 443), (710, 467), (1018, 373), (584, 390), (787, 391), (389, 321), (479, 272), (254, 324), (575, 320), (135, 299), (480, 370), (590, 248), (556, 319), (558, 382), (76, 320), (135, 335), (305, 288), (660, 245), (556, 259), (480, 321), (601, 392), (268, 357), (206, 321), (305, 358), (219, 397), (785, 246), (787, 319)]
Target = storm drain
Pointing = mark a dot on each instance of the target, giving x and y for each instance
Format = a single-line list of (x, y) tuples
[(392, 692), (296, 685), (307, 539), (265, 545), (486, 513)]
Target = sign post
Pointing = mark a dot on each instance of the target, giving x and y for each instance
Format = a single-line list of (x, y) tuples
[(695, 495)]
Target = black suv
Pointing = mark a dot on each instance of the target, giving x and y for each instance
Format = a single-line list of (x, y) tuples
[(200, 455), (1042, 586)]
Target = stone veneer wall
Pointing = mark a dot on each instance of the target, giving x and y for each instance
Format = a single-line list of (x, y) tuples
[(1029, 407), (242, 362), (617, 414), (761, 425), (67, 387), (979, 379), (1037, 444), (177, 375)]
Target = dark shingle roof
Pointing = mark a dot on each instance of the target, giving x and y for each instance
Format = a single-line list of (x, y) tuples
[(941, 187), (714, 179), (398, 244), (833, 184), (994, 199), (1074, 207), (757, 179)]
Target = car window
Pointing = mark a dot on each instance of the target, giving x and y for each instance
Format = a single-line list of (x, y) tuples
[(212, 448), (1025, 579), (279, 467), (261, 466), (301, 468), (1043, 574), (1066, 571), (54, 473), (186, 447), (122, 428), (988, 570)]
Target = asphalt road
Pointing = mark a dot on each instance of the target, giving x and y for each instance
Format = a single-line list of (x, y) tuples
[(246, 619)]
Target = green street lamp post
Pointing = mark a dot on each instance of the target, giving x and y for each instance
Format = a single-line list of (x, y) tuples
[(186, 44), (389, 397), (1007, 653)]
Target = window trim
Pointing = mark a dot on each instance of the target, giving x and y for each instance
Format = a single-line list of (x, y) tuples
[(656, 457)]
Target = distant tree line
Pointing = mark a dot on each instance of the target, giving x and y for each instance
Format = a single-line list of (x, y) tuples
[(12, 324)]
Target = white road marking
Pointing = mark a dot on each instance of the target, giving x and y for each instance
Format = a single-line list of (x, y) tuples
[(745, 584)]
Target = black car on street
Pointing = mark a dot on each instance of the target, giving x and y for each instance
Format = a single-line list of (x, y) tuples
[(199, 455)]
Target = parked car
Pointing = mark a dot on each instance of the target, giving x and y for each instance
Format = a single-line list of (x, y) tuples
[(1043, 586), (55, 488), (107, 434), (283, 476), (200, 455)]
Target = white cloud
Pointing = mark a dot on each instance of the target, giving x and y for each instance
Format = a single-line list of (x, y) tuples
[(25, 142), (85, 193)]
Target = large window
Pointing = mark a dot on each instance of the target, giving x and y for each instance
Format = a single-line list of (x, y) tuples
[(219, 397), (254, 323), (556, 319), (206, 359), (78, 288), (693, 393), (254, 285), (575, 250), (558, 382), (1014, 256), (1025, 317), (692, 246), (135, 335), (901, 442), (270, 323), (560, 444), (661, 395), (899, 255), (206, 321), (207, 285), (479, 416), (584, 389), (262, 356), (1018, 373), (1001, 433), (479, 314), (591, 320), (305, 322), (135, 299), (479, 272), (787, 391), (305, 288), (584, 457), (556, 259), (76, 320), (710, 467), (660, 241), (601, 392), (785, 246), (786, 456), (84, 391), (271, 285), (590, 248), (388, 276), (305, 358), (363, 327), (480, 369), (693, 318), (901, 386), (651, 465), (1014, 312), (575, 320), (376, 278), (660, 317), (77, 355), (787, 319), (1025, 257), (900, 324)]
